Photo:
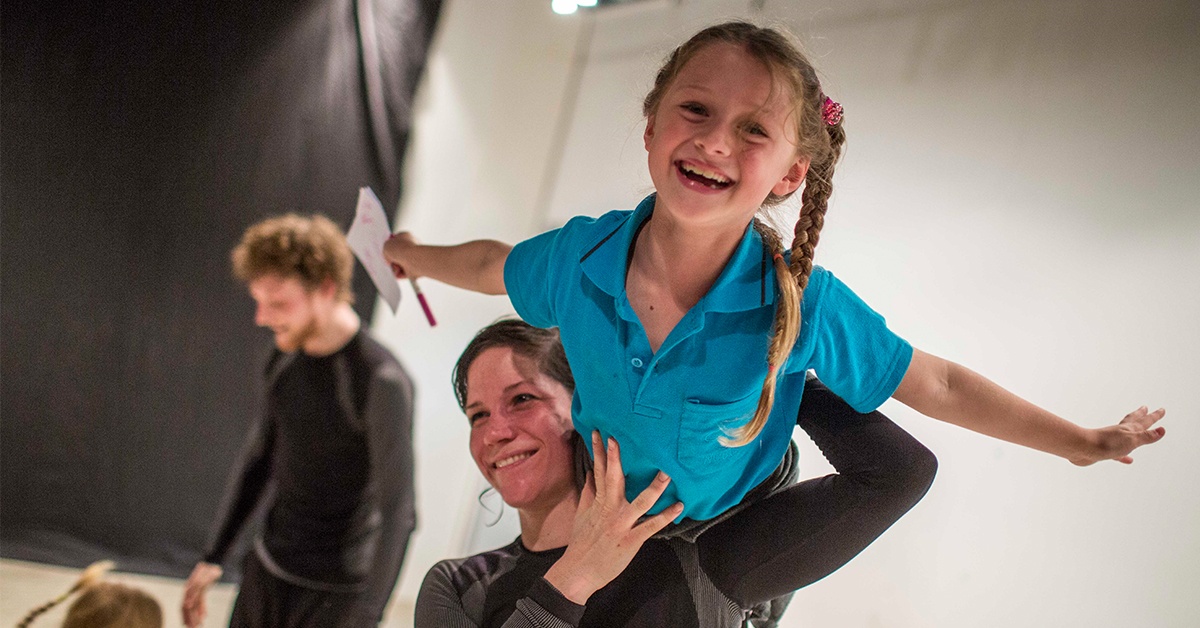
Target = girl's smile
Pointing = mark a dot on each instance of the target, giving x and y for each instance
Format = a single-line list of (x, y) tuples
[(701, 178)]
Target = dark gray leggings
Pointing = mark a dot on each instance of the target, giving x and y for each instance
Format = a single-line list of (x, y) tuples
[(806, 531)]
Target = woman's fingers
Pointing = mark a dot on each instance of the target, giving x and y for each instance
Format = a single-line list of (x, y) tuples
[(598, 463), (652, 525), (615, 481), (610, 478), (644, 501), (588, 495)]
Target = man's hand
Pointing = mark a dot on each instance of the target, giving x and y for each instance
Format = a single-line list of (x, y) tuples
[(194, 609)]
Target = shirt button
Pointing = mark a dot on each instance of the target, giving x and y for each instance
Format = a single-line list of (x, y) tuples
[(636, 362)]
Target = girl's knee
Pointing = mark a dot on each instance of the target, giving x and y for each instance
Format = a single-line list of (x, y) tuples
[(919, 472)]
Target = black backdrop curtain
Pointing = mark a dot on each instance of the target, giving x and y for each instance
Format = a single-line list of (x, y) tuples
[(139, 139)]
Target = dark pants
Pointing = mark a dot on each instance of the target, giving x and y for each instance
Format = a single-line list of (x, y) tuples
[(806, 531), (265, 601)]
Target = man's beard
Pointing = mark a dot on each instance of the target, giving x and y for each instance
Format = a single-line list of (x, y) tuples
[(290, 342)]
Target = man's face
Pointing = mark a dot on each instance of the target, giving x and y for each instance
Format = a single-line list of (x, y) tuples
[(287, 308)]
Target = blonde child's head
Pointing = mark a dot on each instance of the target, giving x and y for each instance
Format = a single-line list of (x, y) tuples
[(819, 139), (103, 604)]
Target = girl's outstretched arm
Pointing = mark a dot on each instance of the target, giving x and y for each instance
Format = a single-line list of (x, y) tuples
[(477, 265), (955, 394)]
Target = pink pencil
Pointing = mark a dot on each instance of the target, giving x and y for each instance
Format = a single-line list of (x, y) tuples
[(424, 304)]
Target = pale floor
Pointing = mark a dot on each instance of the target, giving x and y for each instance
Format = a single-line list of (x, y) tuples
[(24, 585)]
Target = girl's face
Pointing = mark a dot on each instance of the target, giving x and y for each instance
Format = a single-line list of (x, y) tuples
[(722, 138), (520, 430)]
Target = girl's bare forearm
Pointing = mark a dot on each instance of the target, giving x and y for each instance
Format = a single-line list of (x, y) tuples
[(955, 394), (477, 265)]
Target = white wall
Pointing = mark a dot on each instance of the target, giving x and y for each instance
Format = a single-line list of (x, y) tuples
[(1021, 193)]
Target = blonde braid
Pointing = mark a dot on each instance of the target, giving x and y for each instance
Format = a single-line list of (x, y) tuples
[(90, 577), (792, 280), (783, 338), (818, 186)]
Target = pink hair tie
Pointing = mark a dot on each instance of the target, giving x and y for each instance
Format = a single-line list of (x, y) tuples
[(831, 112)]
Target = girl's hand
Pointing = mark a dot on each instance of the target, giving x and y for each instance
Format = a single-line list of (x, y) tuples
[(394, 249), (1117, 441), (607, 534)]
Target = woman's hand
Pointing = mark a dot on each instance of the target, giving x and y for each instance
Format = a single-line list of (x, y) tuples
[(607, 534), (1118, 441)]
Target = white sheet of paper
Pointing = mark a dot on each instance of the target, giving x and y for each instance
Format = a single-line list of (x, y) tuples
[(366, 237)]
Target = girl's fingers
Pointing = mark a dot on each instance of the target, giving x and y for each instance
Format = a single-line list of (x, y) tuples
[(1153, 435), (1143, 417)]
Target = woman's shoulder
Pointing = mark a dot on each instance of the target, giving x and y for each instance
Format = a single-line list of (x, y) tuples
[(477, 566), (485, 567)]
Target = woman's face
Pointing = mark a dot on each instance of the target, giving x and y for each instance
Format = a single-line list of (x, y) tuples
[(520, 429)]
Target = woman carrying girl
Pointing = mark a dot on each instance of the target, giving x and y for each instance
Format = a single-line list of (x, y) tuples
[(581, 537), (688, 327)]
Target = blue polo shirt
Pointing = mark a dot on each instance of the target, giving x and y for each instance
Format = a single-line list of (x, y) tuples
[(668, 409)]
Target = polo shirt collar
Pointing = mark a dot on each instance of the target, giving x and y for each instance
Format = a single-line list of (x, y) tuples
[(748, 281)]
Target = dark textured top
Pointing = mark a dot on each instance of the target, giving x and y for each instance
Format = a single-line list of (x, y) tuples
[(663, 586), (335, 441)]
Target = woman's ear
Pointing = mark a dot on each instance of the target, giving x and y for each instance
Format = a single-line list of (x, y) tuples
[(792, 178)]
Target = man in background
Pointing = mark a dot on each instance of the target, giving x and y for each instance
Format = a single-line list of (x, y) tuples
[(334, 438)]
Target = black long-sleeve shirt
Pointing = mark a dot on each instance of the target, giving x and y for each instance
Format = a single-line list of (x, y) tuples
[(335, 440), (664, 585)]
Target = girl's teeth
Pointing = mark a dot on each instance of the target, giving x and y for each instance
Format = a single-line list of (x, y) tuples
[(704, 173)]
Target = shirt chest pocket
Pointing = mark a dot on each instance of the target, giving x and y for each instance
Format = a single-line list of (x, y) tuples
[(701, 428)]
